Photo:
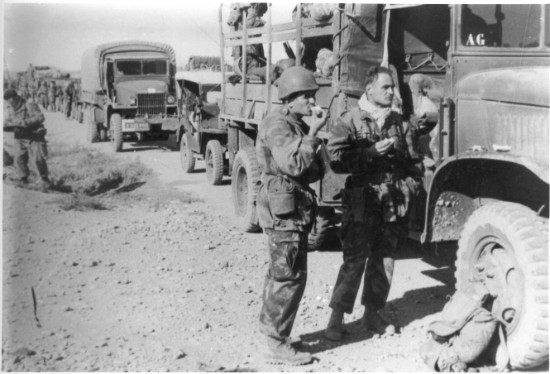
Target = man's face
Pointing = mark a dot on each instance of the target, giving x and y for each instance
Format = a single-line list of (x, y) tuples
[(380, 92), (302, 104)]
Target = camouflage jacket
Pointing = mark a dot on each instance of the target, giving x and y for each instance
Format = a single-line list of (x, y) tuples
[(27, 121), (289, 161), (387, 182)]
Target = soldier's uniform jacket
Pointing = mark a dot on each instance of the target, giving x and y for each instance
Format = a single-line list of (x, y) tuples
[(27, 121), (384, 184), (289, 161)]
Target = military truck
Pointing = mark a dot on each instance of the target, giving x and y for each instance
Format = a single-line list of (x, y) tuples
[(128, 92), (199, 135), (483, 71)]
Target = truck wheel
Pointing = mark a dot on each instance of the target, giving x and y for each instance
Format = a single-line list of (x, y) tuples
[(90, 123), (116, 128), (244, 187), (214, 162), (324, 233), (505, 245), (186, 156)]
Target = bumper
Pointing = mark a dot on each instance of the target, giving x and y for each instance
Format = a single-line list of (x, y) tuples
[(142, 125)]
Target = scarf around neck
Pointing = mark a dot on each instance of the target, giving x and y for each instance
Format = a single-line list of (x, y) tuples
[(377, 113)]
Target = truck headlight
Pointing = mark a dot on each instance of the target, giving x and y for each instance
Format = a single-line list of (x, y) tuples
[(170, 99), (132, 101)]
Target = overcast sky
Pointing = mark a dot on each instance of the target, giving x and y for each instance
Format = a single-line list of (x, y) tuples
[(56, 34)]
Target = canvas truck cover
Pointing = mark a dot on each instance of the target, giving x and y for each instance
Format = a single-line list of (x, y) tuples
[(92, 75), (362, 45)]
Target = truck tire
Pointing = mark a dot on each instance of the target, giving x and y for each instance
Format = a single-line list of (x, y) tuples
[(90, 123), (186, 156), (324, 233), (116, 129), (506, 246), (244, 187), (213, 159)]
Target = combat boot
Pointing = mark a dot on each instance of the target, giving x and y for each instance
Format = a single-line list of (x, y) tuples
[(335, 327), (373, 321), (282, 352)]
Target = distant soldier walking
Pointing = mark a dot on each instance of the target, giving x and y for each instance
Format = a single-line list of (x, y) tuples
[(52, 89), (59, 96), (68, 94), (43, 94), (288, 154), (27, 122)]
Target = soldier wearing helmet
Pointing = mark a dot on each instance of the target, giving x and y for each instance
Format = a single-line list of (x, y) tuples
[(27, 123), (289, 158)]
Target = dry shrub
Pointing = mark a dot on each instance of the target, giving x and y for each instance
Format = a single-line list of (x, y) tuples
[(82, 170)]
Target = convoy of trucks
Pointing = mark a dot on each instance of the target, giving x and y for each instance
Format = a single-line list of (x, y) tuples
[(482, 71)]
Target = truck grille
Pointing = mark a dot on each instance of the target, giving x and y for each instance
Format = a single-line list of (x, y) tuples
[(151, 103)]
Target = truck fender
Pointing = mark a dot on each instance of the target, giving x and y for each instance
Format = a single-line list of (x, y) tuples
[(466, 181)]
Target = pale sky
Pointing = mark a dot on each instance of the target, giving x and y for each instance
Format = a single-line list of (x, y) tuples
[(56, 34)]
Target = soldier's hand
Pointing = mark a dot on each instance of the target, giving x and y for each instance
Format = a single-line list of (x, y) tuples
[(381, 147), (319, 120)]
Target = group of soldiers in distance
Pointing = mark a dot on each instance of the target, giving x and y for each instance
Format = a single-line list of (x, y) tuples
[(62, 96)]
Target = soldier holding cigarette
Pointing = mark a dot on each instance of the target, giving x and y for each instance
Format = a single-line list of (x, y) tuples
[(289, 158)]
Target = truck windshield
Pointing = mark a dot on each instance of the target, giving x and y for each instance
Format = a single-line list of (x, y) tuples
[(138, 67), (501, 25)]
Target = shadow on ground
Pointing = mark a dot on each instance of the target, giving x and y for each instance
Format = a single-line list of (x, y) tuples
[(418, 304)]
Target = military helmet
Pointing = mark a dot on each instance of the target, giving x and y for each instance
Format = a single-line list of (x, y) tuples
[(296, 79)]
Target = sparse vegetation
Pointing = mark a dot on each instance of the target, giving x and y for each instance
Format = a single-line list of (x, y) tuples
[(91, 178), (87, 174), (82, 170)]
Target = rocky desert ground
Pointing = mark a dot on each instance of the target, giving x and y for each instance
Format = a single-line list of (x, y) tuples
[(162, 280)]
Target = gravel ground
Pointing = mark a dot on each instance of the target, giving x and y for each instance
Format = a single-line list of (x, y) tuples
[(160, 284)]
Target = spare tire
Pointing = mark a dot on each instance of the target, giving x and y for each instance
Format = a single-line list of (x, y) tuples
[(505, 246), (244, 187)]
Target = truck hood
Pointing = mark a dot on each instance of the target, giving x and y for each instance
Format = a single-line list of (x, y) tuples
[(525, 86), (128, 89)]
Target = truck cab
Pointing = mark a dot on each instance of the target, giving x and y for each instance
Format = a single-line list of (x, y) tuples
[(128, 91)]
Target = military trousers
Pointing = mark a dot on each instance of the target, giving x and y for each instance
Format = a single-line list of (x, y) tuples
[(30, 150), (373, 243), (285, 282)]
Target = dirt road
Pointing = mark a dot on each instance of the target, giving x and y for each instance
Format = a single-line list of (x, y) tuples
[(176, 287)]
